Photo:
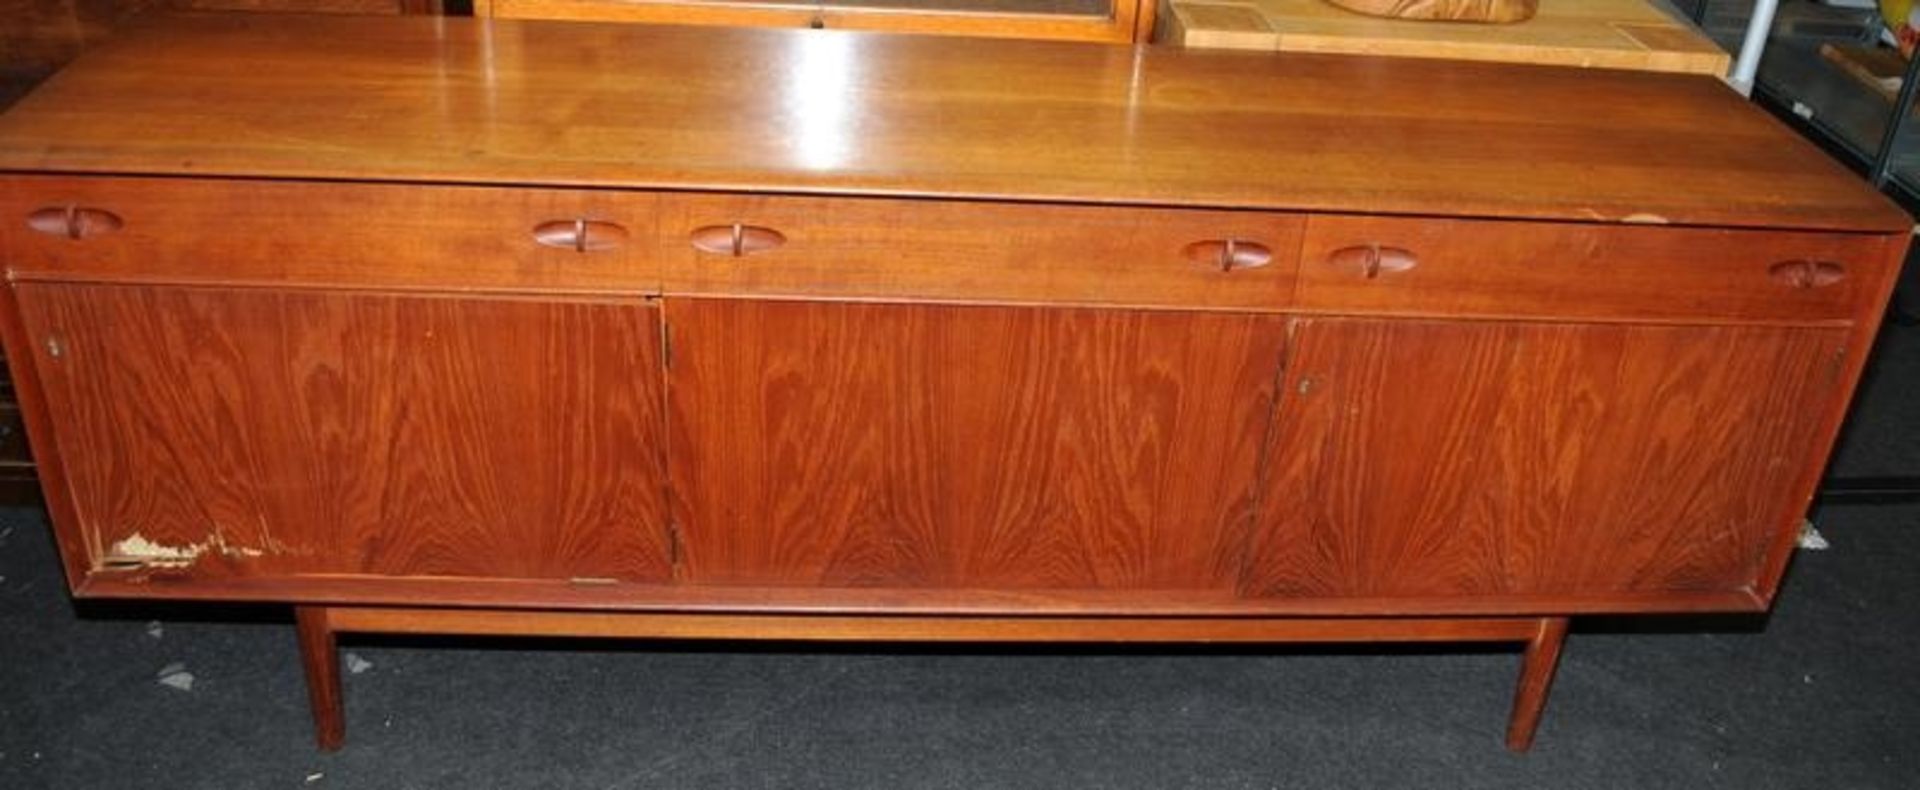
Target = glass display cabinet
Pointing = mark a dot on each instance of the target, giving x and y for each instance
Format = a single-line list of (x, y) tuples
[(1117, 21)]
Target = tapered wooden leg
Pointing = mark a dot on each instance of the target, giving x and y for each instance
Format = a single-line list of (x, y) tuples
[(1536, 677), (320, 656)]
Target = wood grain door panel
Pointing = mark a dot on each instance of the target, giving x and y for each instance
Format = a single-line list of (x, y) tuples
[(924, 446), (257, 432), (1415, 459)]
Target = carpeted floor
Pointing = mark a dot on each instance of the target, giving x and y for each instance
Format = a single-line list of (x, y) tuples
[(1822, 694)]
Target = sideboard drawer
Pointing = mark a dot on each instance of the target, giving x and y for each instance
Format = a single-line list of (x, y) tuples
[(1536, 269), (940, 250), (326, 234)]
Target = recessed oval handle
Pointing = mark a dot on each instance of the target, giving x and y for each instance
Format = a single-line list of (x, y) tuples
[(580, 235), (1372, 260), (74, 222), (1228, 254), (1807, 274), (736, 239)]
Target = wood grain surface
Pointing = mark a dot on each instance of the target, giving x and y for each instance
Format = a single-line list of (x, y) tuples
[(927, 446), (212, 432), (1427, 459), (232, 231), (829, 628), (37, 37), (31, 397), (1537, 669), (1492, 11), (599, 595), (1121, 22), (763, 110), (320, 658), (1561, 270), (926, 250)]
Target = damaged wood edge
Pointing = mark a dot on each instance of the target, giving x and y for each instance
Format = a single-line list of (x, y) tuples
[(138, 552)]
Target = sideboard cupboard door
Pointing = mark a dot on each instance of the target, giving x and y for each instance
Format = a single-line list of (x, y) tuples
[(1417, 459), (213, 433), (945, 446)]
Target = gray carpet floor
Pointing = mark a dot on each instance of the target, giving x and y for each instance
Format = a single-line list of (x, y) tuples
[(1822, 693)]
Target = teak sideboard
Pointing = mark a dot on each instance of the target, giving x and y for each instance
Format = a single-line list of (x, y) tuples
[(444, 326)]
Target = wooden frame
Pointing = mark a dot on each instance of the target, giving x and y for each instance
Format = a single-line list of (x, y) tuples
[(1131, 21), (319, 628)]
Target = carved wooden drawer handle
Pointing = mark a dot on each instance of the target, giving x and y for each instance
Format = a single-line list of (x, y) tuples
[(74, 222), (1807, 274), (1373, 260), (580, 235), (1228, 254), (736, 239)]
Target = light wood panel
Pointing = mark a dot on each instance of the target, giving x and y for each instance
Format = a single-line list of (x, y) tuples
[(762, 110), (997, 448), (210, 432), (1491, 11), (1610, 34), (1463, 459)]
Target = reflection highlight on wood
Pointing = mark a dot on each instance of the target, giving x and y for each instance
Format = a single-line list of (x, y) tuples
[(380, 99)]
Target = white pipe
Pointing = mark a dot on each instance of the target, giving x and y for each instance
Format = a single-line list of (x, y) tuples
[(1746, 67)]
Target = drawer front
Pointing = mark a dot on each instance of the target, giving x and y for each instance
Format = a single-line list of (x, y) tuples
[(1521, 269), (976, 252), (326, 234)]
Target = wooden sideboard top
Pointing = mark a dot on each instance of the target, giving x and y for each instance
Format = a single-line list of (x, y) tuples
[(466, 101)]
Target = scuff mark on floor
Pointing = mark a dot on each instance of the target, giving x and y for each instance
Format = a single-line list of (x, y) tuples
[(1811, 539), (176, 676)]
